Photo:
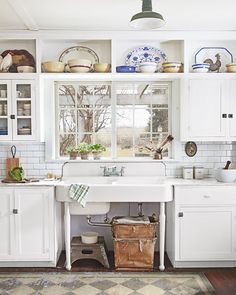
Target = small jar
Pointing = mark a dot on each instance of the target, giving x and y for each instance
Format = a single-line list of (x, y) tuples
[(198, 172), (188, 172)]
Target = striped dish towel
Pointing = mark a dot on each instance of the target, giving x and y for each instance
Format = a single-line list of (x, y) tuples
[(78, 193)]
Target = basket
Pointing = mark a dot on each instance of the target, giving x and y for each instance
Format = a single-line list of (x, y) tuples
[(134, 245)]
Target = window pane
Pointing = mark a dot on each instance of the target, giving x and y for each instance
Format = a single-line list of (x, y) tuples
[(142, 119), (105, 140), (124, 143), (85, 137), (124, 117), (159, 120), (102, 119), (141, 141), (67, 121), (66, 96), (65, 141), (85, 120)]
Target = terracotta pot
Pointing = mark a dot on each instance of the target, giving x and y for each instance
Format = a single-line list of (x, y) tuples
[(73, 155), (84, 156)]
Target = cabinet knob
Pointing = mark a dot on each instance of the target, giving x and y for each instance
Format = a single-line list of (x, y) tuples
[(230, 116), (224, 115), (181, 214), (15, 211), (12, 117)]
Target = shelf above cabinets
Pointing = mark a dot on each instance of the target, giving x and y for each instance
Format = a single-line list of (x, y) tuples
[(114, 47)]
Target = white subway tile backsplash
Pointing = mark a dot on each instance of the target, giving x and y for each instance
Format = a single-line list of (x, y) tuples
[(209, 155)]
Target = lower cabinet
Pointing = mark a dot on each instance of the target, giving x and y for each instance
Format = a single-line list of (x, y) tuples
[(201, 226), (28, 226)]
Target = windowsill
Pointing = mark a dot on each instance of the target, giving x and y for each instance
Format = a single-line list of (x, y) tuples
[(122, 160)]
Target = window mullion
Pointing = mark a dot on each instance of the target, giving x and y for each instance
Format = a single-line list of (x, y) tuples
[(113, 121)]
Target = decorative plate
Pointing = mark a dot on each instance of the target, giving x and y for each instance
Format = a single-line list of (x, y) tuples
[(78, 52), (145, 54), (190, 148), (218, 57)]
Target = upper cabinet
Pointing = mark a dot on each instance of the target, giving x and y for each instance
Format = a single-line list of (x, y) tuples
[(208, 110), (17, 110)]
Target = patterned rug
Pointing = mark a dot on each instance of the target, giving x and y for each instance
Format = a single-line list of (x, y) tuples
[(105, 284)]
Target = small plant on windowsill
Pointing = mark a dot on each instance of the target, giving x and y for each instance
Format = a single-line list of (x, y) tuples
[(73, 152), (97, 150), (84, 150)]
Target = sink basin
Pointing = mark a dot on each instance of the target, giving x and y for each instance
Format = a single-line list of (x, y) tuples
[(116, 189)]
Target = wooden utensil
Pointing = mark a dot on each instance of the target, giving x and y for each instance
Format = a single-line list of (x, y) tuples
[(11, 162)]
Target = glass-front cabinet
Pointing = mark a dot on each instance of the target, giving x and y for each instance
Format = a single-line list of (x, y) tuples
[(17, 110)]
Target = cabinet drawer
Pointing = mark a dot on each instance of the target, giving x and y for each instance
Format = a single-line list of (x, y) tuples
[(202, 195)]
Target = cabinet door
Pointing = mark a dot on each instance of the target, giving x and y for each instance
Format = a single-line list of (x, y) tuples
[(7, 241), (5, 110), (232, 109), (205, 109), (206, 233), (34, 224), (23, 99)]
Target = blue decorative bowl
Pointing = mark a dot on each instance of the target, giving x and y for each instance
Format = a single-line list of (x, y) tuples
[(125, 69)]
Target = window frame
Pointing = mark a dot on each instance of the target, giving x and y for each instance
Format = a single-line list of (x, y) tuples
[(113, 85)]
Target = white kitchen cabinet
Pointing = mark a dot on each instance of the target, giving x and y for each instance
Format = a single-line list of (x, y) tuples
[(27, 226), (202, 229), (17, 110), (208, 110)]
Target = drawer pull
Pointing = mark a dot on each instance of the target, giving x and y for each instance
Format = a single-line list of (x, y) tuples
[(15, 211), (181, 214), (206, 196)]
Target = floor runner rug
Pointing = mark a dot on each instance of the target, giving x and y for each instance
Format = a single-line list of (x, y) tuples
[(105, 284)]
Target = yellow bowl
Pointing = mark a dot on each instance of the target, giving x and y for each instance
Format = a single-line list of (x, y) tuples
[(231, 68), (172, 67), (102, 67), (53, 66)]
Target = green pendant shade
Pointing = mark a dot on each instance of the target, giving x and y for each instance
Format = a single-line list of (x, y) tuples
[(147, 19)]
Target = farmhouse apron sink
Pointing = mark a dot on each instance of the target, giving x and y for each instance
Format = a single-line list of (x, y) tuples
[(138, 185)]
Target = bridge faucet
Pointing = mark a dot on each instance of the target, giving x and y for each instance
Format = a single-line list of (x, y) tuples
[(112, 171)]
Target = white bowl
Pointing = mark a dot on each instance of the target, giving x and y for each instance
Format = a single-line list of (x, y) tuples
[(225, 175), (25, 69), (89, 237), (148, 67), (79, 61), (201, 70), (80, 69)]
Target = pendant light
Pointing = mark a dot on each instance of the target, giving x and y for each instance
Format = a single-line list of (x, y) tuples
[(147, 19)]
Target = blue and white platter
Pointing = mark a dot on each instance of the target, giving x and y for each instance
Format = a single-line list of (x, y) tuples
[(145, 54)]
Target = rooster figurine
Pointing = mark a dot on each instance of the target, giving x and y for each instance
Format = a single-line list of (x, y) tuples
[(214, 66)]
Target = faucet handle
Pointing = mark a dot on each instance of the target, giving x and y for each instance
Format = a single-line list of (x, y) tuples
[(122, 169)]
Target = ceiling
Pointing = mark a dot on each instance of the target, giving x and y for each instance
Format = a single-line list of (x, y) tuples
[(114, 14)]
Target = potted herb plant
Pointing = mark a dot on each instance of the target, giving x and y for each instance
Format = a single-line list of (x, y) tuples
[(73, 152), (83, 150), (97, 150)]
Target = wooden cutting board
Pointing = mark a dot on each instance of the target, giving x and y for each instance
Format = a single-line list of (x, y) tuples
[(11, 162)]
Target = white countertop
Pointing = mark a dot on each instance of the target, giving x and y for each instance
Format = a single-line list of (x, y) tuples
[(166, 180)]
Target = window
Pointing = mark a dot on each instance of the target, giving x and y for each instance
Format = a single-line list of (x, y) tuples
[(124, 117)]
